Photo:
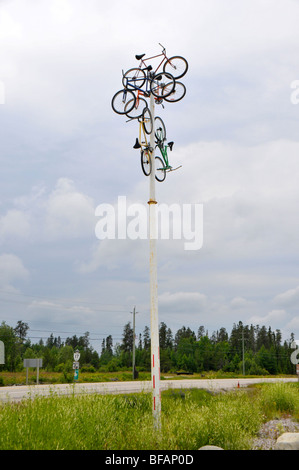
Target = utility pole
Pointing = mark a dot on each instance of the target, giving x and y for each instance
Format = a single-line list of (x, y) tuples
[(120, 104), (155, 353), (243, 352), (134, 312)]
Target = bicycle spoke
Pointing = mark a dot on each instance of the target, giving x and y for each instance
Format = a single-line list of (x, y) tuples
[(177, 66), (160, 172), (177, 94), (146, 163)]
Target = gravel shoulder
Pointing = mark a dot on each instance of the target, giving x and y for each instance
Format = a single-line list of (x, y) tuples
[(270, 431)]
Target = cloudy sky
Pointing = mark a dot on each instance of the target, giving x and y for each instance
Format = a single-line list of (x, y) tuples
[(64, 152)]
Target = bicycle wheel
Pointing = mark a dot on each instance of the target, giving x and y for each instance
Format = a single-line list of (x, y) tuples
[(137, 110), (146, 163), (160, 172), (160, 129), (134, 78), (162, 85), (177, 94), (147, 121), (177, 66), (121, 99)]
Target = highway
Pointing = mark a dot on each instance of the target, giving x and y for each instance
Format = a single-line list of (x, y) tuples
[(18, 393)]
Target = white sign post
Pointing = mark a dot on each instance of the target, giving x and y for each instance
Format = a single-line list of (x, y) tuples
[(76, 364), (33, 363)]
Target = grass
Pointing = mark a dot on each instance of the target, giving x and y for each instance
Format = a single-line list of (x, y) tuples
[(190, 419), (279, 400)]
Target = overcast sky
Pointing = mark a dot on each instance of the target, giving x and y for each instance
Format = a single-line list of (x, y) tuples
[(64, 152)]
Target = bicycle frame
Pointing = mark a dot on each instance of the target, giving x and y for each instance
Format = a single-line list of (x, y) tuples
[(163, 150), (131, 82), (141, 141), (163, 53)]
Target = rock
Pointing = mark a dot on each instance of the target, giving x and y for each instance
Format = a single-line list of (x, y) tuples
[(288, 441), (210, 448)]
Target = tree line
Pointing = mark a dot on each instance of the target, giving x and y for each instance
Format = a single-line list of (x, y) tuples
[(255, 350)]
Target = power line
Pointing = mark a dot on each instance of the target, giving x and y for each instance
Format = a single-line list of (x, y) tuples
[(104, 307)]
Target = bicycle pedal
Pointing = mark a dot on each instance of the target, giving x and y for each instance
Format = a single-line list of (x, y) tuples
[(173, 169)]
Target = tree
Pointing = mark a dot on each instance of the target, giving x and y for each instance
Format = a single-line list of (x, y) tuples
[(107, 350), (21, 330), (127, 341), (165, 336), (146, 338), (200, 332), (183, 333)]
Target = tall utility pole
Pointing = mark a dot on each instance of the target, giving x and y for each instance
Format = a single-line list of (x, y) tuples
[(134, 312), (155, 353), (243, 355)]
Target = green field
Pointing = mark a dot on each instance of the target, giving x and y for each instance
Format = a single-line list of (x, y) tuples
[(190, 419)]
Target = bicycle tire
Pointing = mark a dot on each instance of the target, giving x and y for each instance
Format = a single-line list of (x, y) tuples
[(136, 76), (120, 99), (147, 121), (146, 162), (162, 85), (177, 66), (137, 111), (177, 94), (160, 129), (160, 172)]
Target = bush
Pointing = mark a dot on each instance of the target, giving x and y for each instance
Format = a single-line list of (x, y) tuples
[(280, 398), (88, 368)]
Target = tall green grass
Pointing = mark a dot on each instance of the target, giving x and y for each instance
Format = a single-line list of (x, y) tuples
[(279, 399), (190, 419)]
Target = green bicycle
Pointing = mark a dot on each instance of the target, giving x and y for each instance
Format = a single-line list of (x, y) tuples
[(160, 135)]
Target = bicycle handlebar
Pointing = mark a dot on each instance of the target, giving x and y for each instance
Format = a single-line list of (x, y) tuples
[(163, 48)]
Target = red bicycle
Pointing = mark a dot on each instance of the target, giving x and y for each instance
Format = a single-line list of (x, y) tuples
[(177, 66)]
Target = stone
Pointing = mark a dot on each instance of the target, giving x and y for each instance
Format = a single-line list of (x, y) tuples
[(210, 448), (288, 441)]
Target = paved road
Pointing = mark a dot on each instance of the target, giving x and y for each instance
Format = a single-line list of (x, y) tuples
[(17, 393)]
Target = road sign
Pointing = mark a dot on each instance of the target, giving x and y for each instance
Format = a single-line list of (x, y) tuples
[(76, 374), (76, 356), (76, 365)]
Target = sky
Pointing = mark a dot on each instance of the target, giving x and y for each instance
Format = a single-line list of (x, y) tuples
[(64, 152)]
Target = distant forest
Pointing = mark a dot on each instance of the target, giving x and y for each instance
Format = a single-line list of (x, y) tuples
[(255, 350)]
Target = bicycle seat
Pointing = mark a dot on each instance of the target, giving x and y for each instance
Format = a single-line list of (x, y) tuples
[(170, 145), (137, 144), (139, 57)]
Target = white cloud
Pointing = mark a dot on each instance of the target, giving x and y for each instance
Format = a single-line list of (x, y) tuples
[(290, 298), (68, 213), (14, 224), (240, 303), (182, 300), (11, 270), (69, 312), (273, 318)]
